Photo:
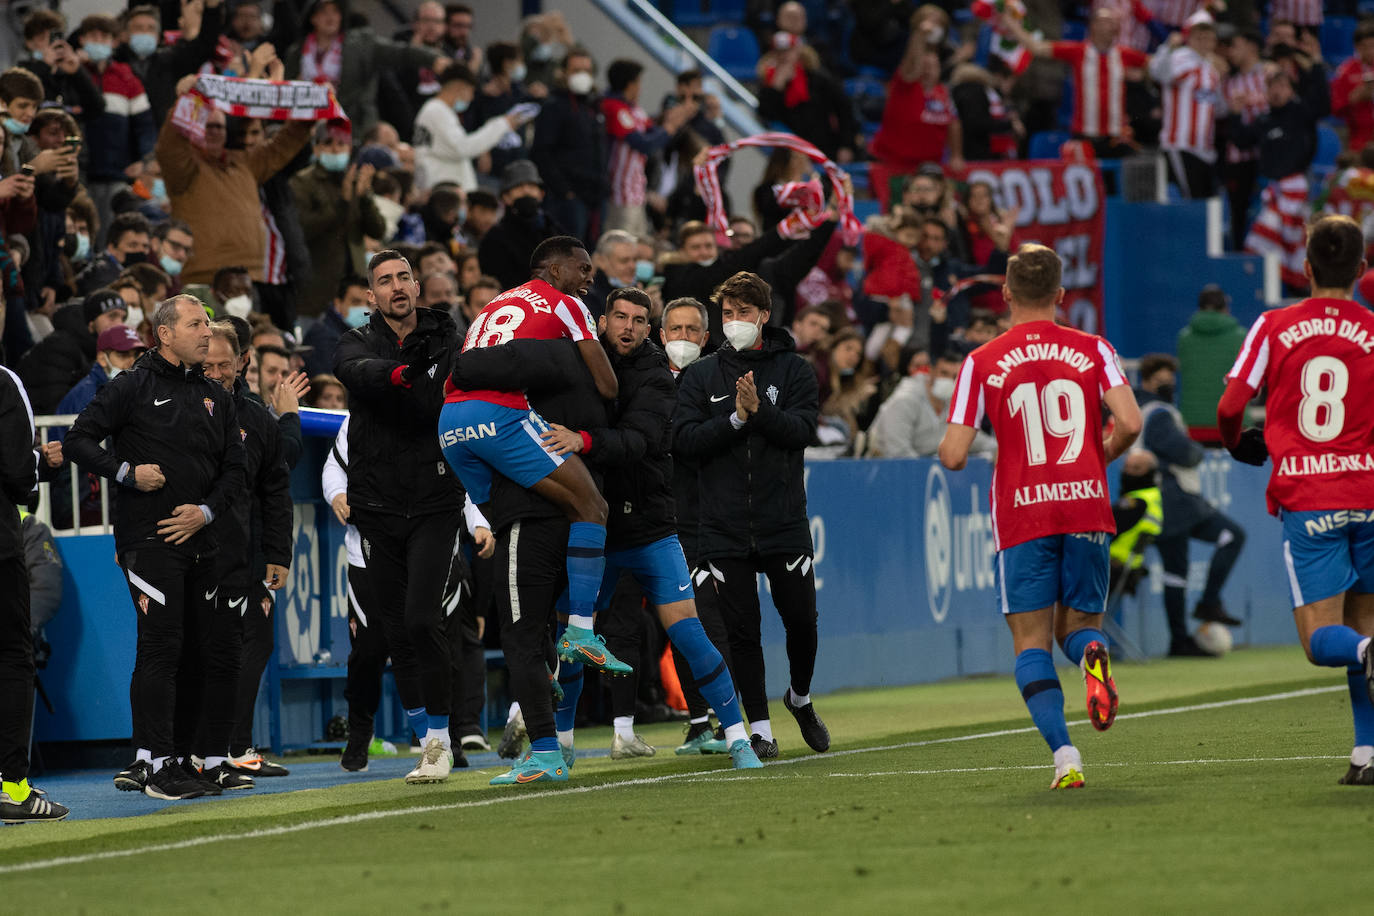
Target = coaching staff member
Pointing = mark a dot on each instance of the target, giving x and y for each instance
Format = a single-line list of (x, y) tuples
[(178, 455), (746, 413), (407, 504)]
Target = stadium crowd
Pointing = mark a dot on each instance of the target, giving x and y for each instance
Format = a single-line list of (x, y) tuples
[(122, 189)]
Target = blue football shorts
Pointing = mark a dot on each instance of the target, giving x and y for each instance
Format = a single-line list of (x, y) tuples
[(478, 438), (660, 569), (1327, 552), (1070, 569)]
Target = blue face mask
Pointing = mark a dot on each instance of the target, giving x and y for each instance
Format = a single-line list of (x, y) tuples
[(644, 271), (15, 128), (159, 189), (98, 51), (143, 44), (334, 162), (83, 247), (170, 264), (461, 105), (357, 316)]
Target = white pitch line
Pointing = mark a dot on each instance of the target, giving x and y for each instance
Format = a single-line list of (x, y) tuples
[(365, 816)]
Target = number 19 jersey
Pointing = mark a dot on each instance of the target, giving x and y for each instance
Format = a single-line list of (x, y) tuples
[(1041, 386), (531, 311), (1315, 358)]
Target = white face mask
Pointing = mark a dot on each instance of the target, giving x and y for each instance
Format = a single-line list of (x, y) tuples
[(239, 306), (942, 389), (134, 316), (682, 352), (580, 83), (742, 334), (113, 372)]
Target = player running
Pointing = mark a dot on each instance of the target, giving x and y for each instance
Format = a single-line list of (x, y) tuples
[(1043, 387), (1314, 358), (482, 432)]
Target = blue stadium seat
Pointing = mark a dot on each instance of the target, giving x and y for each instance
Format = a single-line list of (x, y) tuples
[(858, 175), (1045, 145), (1065, 113), (701, 13), (865, 208), (1075, 31), (1365, 8), (984, 46), (1338, 39), (735, 50)]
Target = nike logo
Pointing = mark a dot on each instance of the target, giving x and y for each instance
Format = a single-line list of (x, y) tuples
[(241, 603), (157, 403), (795, 563), (715, 399), (529, 777), (210, 595), (596, 658), (683, 588)]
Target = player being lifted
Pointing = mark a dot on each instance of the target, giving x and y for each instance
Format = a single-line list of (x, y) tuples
[(1314, 358), (1043, 387), (485, 431)]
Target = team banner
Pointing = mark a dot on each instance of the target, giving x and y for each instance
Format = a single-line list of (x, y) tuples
[(1061, 205), (270, 100)]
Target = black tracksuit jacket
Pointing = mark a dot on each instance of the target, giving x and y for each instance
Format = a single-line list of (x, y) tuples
[(268, 503)]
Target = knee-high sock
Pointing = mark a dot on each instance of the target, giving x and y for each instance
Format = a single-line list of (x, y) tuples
[(1043, 695), (1076, 643), (708, 669), (570, 679), (1337, 646), (1360, 706), (586, 563)]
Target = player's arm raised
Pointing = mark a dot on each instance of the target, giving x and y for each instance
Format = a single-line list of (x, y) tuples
[(1120, 401), (602, 373)]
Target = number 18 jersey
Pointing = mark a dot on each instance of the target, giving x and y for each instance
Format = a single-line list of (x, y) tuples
[(1041, 386), (531, 311), (1314, 357)]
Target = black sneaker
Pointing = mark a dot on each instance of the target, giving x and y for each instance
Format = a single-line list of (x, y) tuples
[(225, 778), (134, 776), (173, 784), (34, 808), (198, 774), (1187, 647), (1358, 776), (764, 749), (254, 764), (814, 732), (354, 758), (1215, 613), (512, 739), (460, 760)]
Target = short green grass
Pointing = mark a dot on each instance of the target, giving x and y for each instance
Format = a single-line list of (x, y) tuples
[(1225, 809)]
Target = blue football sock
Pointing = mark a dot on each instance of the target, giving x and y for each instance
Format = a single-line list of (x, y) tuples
[(1360, 706), (1076, 643), (586, 563), (708, 669), (544, 745), (419, 721), (1336, 646), (438, 723), (570, 679), (1043, 695)]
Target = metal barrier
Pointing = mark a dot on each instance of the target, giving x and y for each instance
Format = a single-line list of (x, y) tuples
[(45, 425)]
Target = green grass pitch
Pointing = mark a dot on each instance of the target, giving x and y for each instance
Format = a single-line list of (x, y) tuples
[(1215, 792)]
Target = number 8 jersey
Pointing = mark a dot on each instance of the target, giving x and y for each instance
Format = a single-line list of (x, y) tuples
[(531, 311), (1314, 357), (1041, 387)]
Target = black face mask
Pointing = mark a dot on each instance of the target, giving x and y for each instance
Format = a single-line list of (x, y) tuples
[(526, 207), (135, 257), (1131, 482), (1165, 393)]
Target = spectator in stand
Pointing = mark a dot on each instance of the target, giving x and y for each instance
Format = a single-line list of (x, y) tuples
[(920, 124), (1307, 14), (880, 33), (1206, 348), (478, 295), (911, 421), (498, 95), (348, 310), (810, 327), (116, 350), (351, 61), (231, 292), (403, 91), (940, 271), (171, 247), (457, 42), (61, 359), (930, 196), (1099, 67), (1287, 140), (286, 256), (159, 66), (545, 40), (49, 57), (989, 123), (444, 150), (984, 231), (615, 267), (214, 189), (468, 270), (1192, 103), (128, 244), (484, 211), (784, 167), (56, 186), (1247, 100), (891, 278), (848, 383), (633, 138), (569, 149), (327, 393), (1352, 89), (437, 221), (742, 231), (437, 291), (506, 249), (120, 138), (797, 91), (434, 257)]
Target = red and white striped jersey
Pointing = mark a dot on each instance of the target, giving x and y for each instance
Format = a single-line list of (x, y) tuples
[(1173, 13), (1099, 85), (1298, 12), (274, 250), (628, 178), (1042, 386), (1191, 88), (1245, 95)]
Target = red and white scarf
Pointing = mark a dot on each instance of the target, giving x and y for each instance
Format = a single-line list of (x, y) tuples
[(326, 67), (270, 100), (799, 222)]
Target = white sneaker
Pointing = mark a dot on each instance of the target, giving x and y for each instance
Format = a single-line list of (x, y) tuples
[(474, 743), (638, 747), (434, 766)]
